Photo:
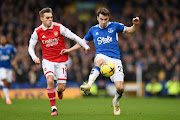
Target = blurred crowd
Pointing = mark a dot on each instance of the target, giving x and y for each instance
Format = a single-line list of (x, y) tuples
[(161, 88), (156, 43)]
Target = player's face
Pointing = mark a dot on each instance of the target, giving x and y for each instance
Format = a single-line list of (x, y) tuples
[(3, 41), (103, 20), (47, 19)]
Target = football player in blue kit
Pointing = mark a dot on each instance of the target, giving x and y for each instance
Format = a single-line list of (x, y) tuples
[(7, 52), (105, 38)]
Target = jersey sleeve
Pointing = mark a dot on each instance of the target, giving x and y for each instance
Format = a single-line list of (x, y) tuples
[(14, 50), (33, 41), (89, 36), (120, 27), (64, 31)]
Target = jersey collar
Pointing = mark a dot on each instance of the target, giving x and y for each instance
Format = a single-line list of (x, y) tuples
[(3, 46), (106, 26), (44, 28)]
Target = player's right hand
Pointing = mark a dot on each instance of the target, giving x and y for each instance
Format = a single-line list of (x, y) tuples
[(87, 51), (37, 61)]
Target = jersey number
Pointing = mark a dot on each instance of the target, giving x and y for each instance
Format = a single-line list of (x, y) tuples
[(64, 70), (120, 68)]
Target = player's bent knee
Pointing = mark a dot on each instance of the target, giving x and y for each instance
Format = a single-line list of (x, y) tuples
[(62, 89), (100, 62), (50, 81)]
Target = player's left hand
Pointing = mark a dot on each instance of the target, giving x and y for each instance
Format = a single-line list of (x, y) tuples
[(64, 51), (136, 20), (14, 63)]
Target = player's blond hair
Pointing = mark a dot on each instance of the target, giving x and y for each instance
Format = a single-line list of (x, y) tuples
[(45, 10)]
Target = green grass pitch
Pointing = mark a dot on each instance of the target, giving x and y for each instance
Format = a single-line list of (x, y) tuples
[(90, 108)]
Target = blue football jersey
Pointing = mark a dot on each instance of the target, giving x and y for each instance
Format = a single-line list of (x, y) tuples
[(6, 54), (106, 40)]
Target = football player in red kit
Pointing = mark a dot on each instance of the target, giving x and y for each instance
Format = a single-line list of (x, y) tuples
[(51, 36)]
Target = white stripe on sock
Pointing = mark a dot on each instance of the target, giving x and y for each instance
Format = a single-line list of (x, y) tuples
[(51, 90)]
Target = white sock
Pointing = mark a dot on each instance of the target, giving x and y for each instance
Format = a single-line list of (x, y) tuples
[(1, 83), (6, 93), (93, 75), (53, 107)]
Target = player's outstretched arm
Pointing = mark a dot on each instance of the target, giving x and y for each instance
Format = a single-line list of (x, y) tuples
[(67, 33), (75, 47), (133, 28)]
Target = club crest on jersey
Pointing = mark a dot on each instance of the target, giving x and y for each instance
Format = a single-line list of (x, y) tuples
[(97, 33), (56, 33), (110, 30), (8, 51), (43, 36)]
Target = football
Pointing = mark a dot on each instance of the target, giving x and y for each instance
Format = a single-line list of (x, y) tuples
[(107, 69)]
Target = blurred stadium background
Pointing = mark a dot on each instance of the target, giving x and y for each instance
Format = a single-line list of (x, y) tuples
[(151, 56)]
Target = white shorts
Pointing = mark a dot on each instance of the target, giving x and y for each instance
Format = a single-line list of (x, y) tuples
[(118, 75), (6, 74), (57, 70)]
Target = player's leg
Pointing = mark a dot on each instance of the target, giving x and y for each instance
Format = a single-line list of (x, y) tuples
[(48, 68), (6, 91), (118, 79), (1, 83), (60, 88), (119, 90), (6, 76), (118, 94), (61, 75), (99, 60), (51, 93)]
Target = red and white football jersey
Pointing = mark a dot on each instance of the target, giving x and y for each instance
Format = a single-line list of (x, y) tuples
[(52, 42)]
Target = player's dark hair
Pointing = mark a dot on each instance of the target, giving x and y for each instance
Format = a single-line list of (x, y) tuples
[(45, 10), (103, 11)]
